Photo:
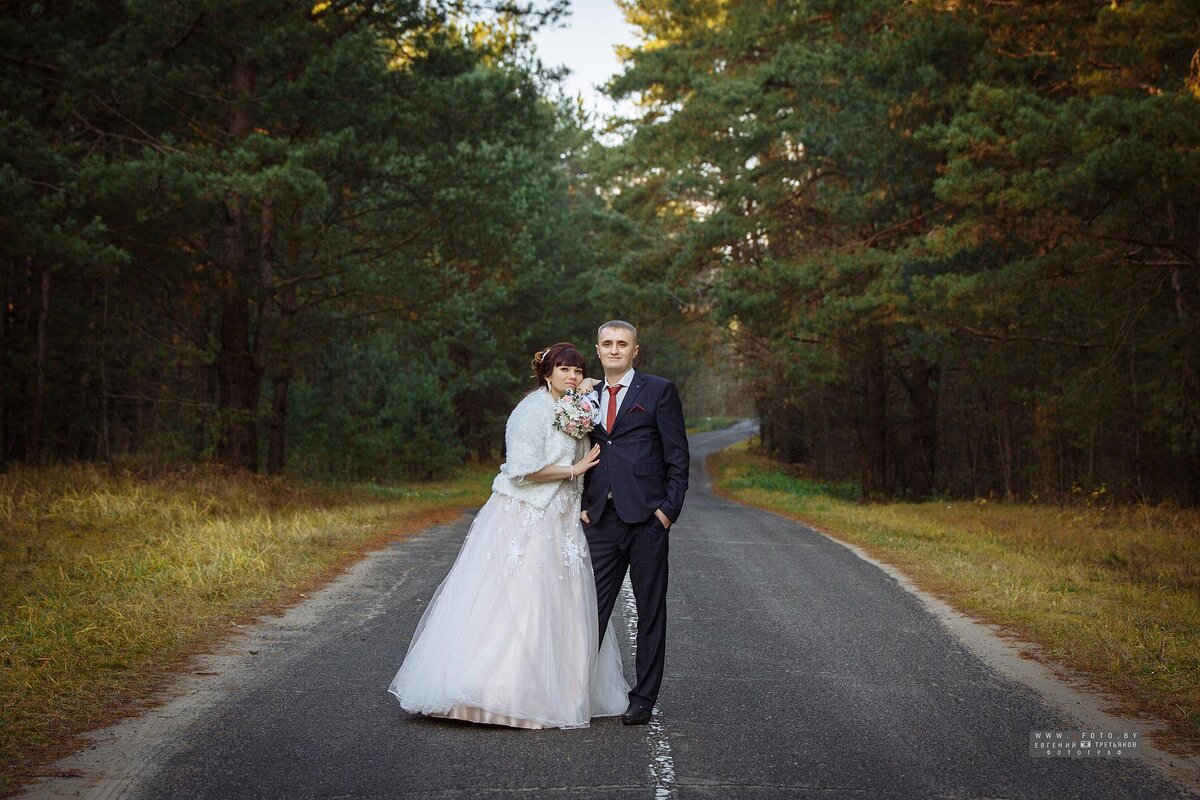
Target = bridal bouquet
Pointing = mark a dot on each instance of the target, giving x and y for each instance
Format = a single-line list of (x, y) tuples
[(574, 414)]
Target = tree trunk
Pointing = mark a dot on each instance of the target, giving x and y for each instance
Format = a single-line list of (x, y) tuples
[(923, 438), (105, 449), (1192, 477), (1004, 444), (239, 378), (265, 320), (6, 366), (238, 374), (35, 443), (277, 452), (875, 420)]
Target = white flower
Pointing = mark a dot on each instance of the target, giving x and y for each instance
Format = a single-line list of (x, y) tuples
[(575, 415), (593, 397)]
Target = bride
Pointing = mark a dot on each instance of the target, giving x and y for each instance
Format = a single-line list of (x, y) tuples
[(509, 637)]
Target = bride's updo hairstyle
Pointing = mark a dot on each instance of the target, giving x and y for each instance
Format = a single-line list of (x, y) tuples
[(545, 360)]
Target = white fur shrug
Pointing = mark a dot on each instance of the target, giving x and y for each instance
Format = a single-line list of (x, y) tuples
[(532, 442)]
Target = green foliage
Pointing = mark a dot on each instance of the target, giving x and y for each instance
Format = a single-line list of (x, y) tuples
[(705, 424), (374, 412), (951, 248), (955, 245), (341, 226)]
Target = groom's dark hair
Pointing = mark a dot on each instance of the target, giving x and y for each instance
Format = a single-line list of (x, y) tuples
[(617, 323)]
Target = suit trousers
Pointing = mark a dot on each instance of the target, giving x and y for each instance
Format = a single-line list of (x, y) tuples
[(616, 546)]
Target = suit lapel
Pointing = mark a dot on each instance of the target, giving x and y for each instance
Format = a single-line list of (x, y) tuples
[(602, 398), (631, 394)]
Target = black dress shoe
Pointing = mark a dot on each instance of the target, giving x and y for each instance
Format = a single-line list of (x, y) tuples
[(636, 715)]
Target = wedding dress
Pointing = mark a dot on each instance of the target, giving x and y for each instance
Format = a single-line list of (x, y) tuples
[(510, 636)]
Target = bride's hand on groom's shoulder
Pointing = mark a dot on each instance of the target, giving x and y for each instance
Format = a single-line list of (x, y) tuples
[(588, 385)]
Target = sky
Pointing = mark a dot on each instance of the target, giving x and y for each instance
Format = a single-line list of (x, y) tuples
[(584, 42)]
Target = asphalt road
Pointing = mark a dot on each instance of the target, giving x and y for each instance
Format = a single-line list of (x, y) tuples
[(794, 669)]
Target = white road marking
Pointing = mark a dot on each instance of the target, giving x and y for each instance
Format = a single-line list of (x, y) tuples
[(661, 766)]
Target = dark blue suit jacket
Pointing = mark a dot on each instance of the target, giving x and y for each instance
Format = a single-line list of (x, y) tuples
[(644, 461)]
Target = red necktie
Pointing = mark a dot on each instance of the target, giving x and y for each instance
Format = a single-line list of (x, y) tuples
[(611, 417)]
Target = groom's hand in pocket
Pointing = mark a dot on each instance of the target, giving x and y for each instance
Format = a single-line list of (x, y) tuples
[(584, 518), (666, 523)]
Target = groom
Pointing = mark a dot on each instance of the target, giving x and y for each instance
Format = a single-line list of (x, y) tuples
[(632, 497)]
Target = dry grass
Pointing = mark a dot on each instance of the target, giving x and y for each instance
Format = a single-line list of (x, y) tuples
[(1110, 592), (106, 580)]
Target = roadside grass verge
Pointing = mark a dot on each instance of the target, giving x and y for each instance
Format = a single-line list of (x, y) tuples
[(109, 580), (1113, 593), (705, 424)]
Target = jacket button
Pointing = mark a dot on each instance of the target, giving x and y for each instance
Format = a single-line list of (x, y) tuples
[(609, 442)]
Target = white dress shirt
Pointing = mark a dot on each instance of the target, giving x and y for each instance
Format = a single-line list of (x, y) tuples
[(626, 381)]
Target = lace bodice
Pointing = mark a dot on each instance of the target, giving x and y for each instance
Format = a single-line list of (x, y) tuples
[(572, 546)]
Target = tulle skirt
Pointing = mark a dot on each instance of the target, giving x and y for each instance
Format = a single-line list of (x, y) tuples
[(510, 636)]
